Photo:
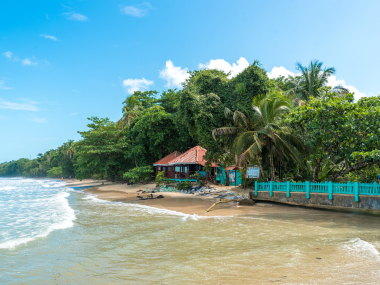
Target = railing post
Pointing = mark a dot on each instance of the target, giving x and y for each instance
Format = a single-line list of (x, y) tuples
[(256, 187), (288, 189), (271, 188), (356, 191), (307, 189), (330, 187), (348, 187)]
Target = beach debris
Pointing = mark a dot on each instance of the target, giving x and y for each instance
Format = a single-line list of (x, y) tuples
[(160, 196), (222, 201), (140, 197)]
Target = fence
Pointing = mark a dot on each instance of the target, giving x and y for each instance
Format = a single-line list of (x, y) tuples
[(320, 187)]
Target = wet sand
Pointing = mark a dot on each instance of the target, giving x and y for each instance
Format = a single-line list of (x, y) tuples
[(184, 203)]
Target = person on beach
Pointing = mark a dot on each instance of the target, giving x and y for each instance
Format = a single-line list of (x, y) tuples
[(270, 178), (378, 178)]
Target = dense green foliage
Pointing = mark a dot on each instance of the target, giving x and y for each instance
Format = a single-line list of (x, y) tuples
[(294, 128), (336, 126), (183, 185), (139, 174), (160, 178)]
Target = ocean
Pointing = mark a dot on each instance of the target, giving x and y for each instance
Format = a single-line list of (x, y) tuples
[(52, 234)]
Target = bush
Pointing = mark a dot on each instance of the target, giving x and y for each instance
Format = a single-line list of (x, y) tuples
[(160, 177), (137, 174), (183, 185), (200, 178), (55, 172)]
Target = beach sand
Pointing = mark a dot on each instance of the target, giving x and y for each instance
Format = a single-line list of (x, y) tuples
[(184, 203)]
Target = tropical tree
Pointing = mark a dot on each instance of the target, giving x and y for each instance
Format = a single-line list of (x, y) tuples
[(336, 126), (131, 109), (69, 148), (312, 78), (262, 135)]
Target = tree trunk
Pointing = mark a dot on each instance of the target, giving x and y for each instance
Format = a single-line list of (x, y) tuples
[(271, 163), (260, 166), (316, 171), (227, 178)]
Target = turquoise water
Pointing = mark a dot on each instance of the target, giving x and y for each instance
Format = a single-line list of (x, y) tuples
[(51, 234)]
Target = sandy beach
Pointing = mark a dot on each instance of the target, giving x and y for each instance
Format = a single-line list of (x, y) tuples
[(184, 203)]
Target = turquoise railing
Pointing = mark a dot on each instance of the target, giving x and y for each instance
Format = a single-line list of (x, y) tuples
[(320, 187)]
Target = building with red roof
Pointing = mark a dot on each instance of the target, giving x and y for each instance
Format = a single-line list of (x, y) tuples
[(184, 165)]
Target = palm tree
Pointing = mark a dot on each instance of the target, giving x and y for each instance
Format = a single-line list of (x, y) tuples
[(312, 78), (263, 131), (70, 148), (131, 110)]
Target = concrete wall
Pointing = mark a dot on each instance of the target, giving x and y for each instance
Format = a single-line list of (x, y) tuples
[(319, 200)]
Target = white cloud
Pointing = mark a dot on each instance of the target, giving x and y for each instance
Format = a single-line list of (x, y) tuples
[(26, 106), (333, 81), (76, 17), (280, 71), (8, 54), (49, 37), (73, 114), (223, 65), (27, 61), (3, 87), (173, 75), (136, 11), (136, 84)]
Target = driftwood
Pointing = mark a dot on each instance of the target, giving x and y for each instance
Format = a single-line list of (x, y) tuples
[(222, 201), (150, 197)]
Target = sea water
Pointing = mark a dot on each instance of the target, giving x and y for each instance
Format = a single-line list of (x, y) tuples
[(52, 234)]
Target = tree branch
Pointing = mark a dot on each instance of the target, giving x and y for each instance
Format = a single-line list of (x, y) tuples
[(354, 167)]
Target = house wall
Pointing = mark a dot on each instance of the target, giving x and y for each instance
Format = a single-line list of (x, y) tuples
[(221, 176)]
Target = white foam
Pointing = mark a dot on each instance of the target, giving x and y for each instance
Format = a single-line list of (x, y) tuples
[(362, 248), (7, 188), (35, 213), (146, 209)]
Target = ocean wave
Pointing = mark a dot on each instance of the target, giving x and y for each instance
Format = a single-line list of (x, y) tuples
[(7, 188), (362, 248), (36, 217)]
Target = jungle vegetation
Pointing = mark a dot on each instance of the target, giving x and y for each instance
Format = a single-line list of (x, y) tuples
[(294, 128)]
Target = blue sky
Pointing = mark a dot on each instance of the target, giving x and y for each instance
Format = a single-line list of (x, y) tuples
[(64, 61)]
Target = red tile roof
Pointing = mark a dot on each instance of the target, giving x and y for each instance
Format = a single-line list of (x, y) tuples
[(167, 159), (192, 156), (231, 168)]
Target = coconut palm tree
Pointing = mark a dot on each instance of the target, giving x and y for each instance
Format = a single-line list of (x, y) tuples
[(263, 132), (312, 78), (69, 148), (131, 110)]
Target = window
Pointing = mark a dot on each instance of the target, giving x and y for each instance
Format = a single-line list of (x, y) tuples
[(177, 169), (185, 169), (159, 168), (163, 168), (169, 168)]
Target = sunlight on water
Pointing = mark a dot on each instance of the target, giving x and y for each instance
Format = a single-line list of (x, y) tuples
[(76, 238)]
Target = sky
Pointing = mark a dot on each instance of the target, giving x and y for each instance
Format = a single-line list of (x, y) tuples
[(64, 61)]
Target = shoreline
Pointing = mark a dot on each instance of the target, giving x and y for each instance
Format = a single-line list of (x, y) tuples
[(174, 201)]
